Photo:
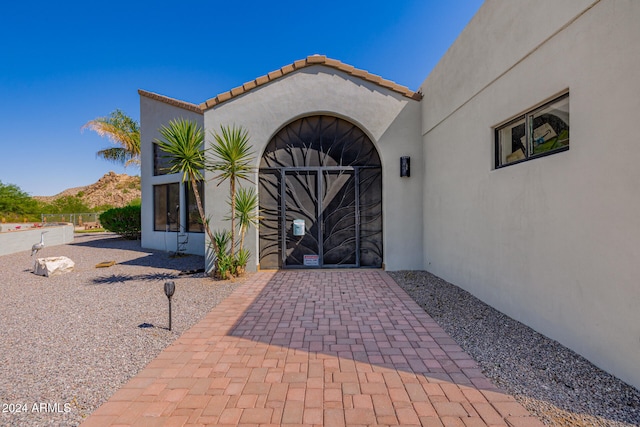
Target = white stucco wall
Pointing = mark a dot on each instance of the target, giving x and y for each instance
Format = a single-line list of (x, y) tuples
[(553, 242), (390, 120), (153, 115)]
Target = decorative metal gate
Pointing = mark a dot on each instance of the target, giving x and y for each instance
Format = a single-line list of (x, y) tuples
[(325, 172)]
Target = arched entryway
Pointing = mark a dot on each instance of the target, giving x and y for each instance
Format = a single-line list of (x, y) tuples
[(325, 171)]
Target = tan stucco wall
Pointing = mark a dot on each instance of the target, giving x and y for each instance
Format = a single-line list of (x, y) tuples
[(390, 120), (552, 242), (153, 115)]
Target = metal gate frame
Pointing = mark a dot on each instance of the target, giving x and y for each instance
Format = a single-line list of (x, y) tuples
[(319, 213), (306, 153)]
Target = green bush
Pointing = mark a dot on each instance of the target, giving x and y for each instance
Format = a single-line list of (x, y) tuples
[(15, 202), (67, 205), (124, 221)]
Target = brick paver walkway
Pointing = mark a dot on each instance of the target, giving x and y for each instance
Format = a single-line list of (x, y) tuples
[(329, 348)]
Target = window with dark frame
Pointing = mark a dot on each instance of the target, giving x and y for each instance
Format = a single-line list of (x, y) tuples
[(166, 203), (161, 164), (193, 220), (539, 132)]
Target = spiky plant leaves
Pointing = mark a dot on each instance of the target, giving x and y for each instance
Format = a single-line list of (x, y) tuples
[(232, 159), (246, 211), (182, 142)]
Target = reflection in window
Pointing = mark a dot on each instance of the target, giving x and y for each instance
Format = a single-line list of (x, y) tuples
[(193, 220), (542, 131), (166, 206), (161, 164)]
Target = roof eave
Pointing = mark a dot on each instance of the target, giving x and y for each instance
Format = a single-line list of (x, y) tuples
[(171, 101), (308, 62)]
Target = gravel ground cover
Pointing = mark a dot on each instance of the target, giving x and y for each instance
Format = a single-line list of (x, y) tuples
[(69, 342), (552, 382)]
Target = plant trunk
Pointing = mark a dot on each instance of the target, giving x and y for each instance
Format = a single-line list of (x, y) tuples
[(232, 190), (243, 231), (205, 223)]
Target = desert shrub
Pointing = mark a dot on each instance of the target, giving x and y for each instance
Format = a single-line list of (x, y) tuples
[(124, 221), (101, 208)]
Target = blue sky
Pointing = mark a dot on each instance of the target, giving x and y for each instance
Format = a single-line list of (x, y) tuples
[(65, 63)]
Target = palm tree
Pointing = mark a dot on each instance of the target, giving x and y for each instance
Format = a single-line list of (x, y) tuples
[(182, 142), (233, 160), (122, 130)]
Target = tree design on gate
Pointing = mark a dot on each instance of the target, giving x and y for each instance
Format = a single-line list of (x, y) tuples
[(332, 179)]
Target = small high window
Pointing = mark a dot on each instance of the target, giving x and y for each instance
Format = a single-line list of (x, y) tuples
[(537, 133), (160, 160)]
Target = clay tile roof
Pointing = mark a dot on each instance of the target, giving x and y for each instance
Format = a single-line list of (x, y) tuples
[(274, 75), (171, 101), (307, 62)]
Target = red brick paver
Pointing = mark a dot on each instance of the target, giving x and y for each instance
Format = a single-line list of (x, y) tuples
[(313, 348)]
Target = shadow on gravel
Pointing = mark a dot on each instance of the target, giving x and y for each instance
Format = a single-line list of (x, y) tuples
[(146, 258), (162, 260), (107, 241), (122, 278)]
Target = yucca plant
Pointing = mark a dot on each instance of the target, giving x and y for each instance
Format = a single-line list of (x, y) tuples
[(232, 159), (246, 211), (240, 261), (182, 141), (221, 240), (223, 262)]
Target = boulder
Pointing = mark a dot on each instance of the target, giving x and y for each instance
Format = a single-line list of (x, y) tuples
[(53, 266)]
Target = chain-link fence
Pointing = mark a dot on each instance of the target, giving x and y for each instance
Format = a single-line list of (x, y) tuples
[(91, 219)]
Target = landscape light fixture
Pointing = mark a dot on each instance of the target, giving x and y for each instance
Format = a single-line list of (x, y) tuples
[(169, 289)]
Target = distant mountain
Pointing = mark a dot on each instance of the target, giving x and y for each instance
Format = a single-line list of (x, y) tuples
[(112, 189)]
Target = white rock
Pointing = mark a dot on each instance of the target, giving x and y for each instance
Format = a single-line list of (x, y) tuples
[(53, 266)]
